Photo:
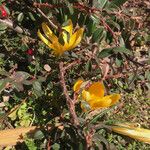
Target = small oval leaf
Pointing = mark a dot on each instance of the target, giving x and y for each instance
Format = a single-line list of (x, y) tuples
[(20, 17)]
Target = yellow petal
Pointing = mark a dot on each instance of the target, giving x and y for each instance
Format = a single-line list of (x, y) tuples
[(77, 85), (47, 42), (69, 27), (114, 98), (86, 95), (75, 39), (100, 103), (96, 90), (67, 44), (63, 40), (49, 34), (65, 37), (57, 47), (137, 133), (79, 35)]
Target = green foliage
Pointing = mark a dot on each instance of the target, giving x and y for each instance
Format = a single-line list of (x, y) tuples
[(110, 51), (30, 144), (118, 2), (114, 49), (21, 116)]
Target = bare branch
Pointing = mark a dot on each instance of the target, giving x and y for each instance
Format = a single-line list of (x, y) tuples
[(50, 22), (72, 64), (70, 102)]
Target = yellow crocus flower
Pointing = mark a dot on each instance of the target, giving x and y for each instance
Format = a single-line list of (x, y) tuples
[(67, 40), (94, 95), (130, 130)]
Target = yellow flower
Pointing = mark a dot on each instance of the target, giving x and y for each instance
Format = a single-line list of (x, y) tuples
[(94, 95), (130, 130), (67, 39)]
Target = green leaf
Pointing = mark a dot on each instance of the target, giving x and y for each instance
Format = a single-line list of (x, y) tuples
[(109, 51), (30, 144), (121, 42), (13, 115), (74, 55), (56, 146), (25, 122), (2, 26), (2, 84), (24, 47), (97, 35), (32, 17), (114, 24), (71, 9), (88, 66), (23, 106), (122, 50), (41, 79), (105, 53), (81, 146), (38, 135), (101, 3), (20, 17), (91, 26), (120, 84), (37, 86), (119, 62), (118, 2)]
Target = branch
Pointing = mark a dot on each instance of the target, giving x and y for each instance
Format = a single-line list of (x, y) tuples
[(72, 64), (108, 28), (50, 22), (70, 103)]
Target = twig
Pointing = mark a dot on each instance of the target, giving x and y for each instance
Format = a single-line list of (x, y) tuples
[(72, 64), (70, 103), (133, 61), (50, 22), (46, 5), (10, 24), (75, 96), (109, 29), (48, 144)]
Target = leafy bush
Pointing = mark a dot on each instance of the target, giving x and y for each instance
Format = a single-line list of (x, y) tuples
[(41, 60)]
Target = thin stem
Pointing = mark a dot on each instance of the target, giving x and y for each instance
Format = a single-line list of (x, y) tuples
[(50, 22), (69, 101)]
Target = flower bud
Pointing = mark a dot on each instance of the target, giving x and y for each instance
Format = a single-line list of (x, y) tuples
[(3, 12)]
